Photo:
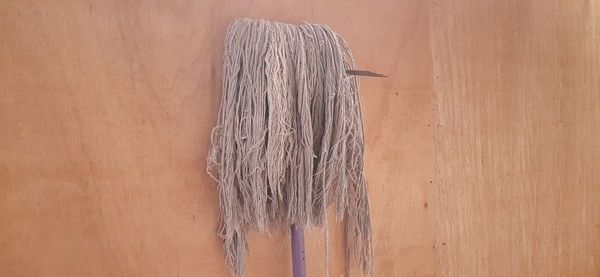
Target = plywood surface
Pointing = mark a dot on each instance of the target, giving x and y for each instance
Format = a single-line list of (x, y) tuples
[(105, 117), (483, 145), (517, 108)]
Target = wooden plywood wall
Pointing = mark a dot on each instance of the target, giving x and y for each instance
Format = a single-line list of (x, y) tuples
[(517, 108), (483, 145)]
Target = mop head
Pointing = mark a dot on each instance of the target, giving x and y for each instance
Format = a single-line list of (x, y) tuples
[(289, 139)]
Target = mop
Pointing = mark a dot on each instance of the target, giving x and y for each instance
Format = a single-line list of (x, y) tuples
[(289, 140)]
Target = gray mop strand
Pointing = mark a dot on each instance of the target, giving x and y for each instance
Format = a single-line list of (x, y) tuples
[(289, 140)]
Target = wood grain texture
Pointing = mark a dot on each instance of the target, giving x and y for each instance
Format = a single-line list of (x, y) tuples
[(483, 144), (517, 110), (105, 117)]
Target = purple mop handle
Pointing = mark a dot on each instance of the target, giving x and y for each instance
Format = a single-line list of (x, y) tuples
[(298, 260)]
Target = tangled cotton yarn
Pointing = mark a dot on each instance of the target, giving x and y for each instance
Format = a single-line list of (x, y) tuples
[(289, 139)]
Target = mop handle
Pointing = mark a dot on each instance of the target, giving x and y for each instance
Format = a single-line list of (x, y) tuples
[(298, 259)]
